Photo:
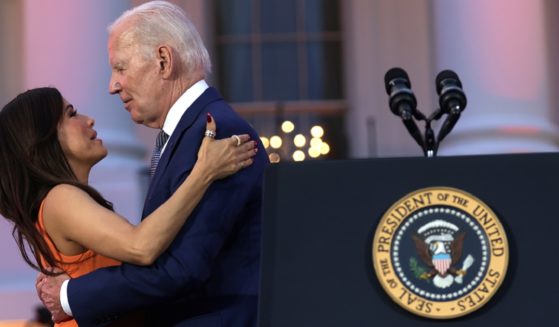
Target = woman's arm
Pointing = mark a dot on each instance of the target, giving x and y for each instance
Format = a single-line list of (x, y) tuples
[(73, 219)]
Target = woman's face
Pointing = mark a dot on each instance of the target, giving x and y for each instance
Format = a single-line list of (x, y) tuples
[(79, 140)]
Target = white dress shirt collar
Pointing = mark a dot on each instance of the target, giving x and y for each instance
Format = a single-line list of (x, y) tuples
[(182, 104)]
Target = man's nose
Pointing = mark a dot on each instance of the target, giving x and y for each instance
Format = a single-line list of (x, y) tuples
[(114, 87)]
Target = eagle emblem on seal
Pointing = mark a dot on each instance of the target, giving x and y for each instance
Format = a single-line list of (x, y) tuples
[(439, 246)]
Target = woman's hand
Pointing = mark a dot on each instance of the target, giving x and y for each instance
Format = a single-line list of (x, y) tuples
[(221, 158)]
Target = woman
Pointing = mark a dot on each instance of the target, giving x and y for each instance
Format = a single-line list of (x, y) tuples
[(47, 150)]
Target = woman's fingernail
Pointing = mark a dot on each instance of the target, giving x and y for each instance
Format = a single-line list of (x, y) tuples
[(209, 117)]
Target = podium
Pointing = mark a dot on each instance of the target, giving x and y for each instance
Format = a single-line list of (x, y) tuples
[(319, 219)]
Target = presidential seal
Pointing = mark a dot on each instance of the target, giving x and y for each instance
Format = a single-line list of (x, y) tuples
[(440, 253)]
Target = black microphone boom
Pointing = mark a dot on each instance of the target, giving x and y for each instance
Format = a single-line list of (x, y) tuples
[(402, 101)]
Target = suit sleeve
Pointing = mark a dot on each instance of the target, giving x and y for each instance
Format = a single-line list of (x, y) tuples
[(106, 293)]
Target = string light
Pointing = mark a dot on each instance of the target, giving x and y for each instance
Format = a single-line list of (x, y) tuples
[(274, 157), (299, 140), (275, 142), (316, 142), (324, 148), (316, 146), (298, 155), (287, 126), (317, 131), (314, 152), (265, 142)]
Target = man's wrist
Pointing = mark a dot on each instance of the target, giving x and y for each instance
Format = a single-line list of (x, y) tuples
[(64, 298)]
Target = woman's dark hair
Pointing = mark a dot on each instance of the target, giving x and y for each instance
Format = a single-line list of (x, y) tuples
[(31, 164)]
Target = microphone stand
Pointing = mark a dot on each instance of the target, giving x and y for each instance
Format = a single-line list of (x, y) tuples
[(430, 146), (413, 130)]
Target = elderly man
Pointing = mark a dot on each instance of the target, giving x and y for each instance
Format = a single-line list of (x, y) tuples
[(209, 276)]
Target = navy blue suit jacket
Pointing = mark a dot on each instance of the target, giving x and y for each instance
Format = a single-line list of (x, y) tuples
[(209, 275)]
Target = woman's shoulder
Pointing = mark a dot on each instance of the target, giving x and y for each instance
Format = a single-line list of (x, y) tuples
[(64, 190), (64, 196)]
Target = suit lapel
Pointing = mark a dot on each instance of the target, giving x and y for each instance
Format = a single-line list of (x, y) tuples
[(186, 121)]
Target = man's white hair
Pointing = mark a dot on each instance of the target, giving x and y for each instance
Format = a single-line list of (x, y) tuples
[(157, 22)]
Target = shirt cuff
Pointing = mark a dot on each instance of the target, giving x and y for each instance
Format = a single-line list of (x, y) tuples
[(64, 298)]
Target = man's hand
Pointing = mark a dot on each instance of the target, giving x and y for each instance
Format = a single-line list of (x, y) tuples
[(48, 290)]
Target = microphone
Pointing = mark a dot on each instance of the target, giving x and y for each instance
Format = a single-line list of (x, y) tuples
[(452, 100), (402, 101)]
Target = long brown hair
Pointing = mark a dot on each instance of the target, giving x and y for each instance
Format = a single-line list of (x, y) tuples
[(31, 164)]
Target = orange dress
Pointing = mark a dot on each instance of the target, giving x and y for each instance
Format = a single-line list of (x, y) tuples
[(74, 265)]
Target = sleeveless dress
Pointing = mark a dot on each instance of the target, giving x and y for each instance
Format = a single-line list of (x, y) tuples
[(74, 265)]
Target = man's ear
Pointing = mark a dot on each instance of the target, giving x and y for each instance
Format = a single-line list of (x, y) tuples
[(165, 59)]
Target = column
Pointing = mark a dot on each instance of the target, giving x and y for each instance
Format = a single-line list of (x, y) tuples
[(66, 47), (10, 41), (499, 50)]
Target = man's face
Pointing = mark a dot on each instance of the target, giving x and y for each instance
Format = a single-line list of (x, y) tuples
[(136, 80)]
